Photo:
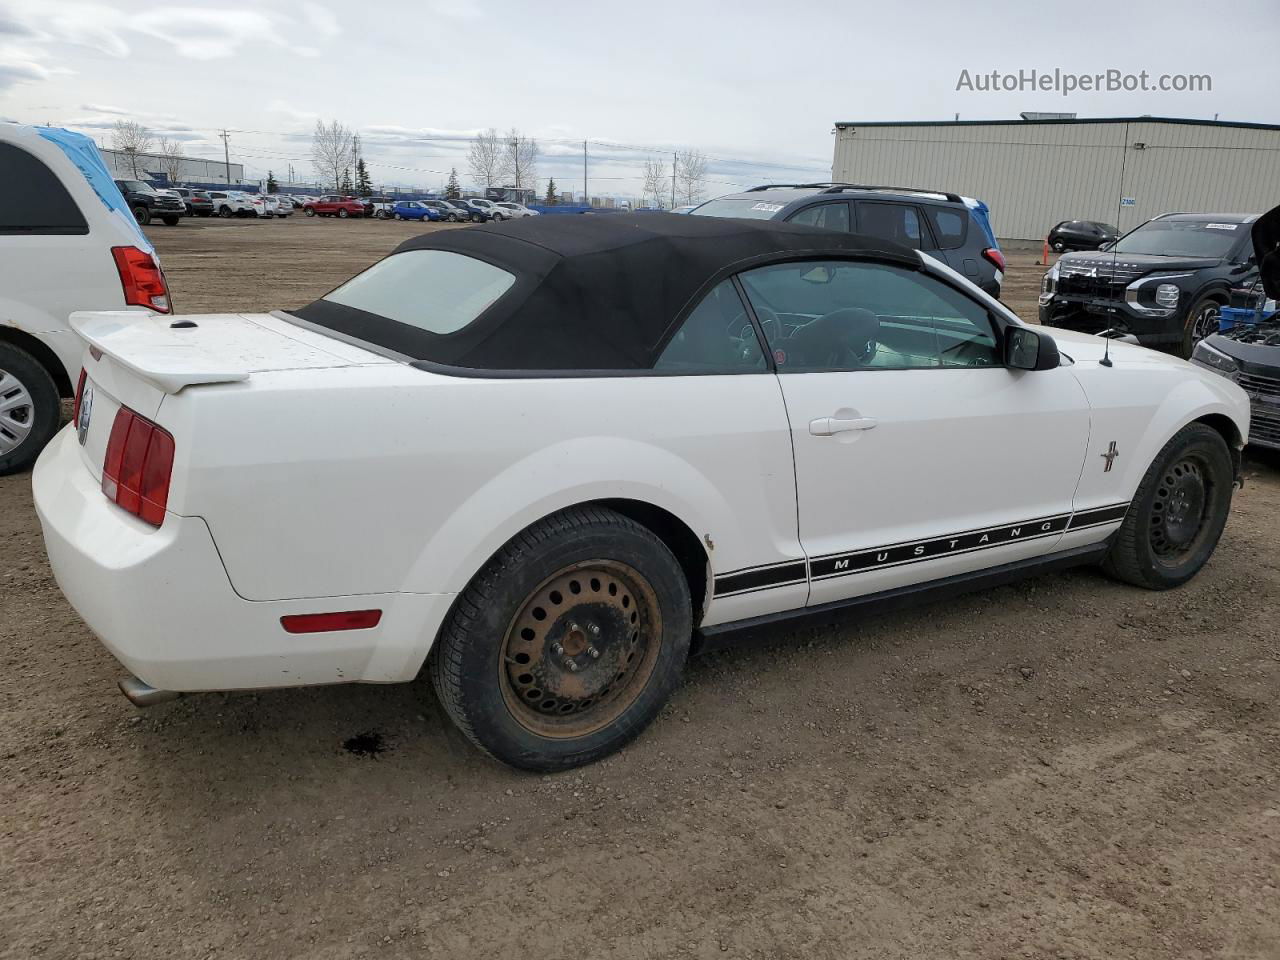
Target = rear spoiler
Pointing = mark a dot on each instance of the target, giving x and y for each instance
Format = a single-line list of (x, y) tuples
[(145, 344)]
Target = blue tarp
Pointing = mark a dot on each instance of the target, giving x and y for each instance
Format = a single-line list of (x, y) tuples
[(83, 152), (982, 214)]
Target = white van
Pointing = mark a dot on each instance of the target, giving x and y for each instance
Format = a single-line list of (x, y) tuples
[(67, 242)]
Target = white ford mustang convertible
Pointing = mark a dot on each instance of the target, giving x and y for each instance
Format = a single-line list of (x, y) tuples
[(546, 458)]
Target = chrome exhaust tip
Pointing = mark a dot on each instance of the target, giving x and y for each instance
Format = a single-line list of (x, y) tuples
[(144, 695)]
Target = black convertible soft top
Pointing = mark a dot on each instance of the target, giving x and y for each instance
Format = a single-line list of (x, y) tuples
[(593, 293)]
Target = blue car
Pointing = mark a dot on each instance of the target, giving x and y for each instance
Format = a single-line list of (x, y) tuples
[(415, 210)]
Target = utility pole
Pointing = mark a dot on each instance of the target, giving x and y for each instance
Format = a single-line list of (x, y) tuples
[(226, 153), (674, 160), (586, 197)]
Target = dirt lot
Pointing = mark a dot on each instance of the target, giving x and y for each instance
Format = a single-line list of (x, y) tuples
[(1066, 768)]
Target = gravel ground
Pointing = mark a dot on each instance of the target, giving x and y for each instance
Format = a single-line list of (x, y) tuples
[(1065, 768)]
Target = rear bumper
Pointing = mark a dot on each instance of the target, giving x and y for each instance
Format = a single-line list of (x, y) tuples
[(161, 603)]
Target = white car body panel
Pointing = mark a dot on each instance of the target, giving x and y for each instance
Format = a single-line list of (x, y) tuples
[(314, 475)]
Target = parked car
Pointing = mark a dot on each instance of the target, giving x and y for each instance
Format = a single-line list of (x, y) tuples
[(464, 211), (379, 207), (265, 206), (68, 242), (447, 211), (197, 202), (149, 204), (284, 205), (512, 211), (487, 208), (946, 226), (1081, 235), (170, 192), (415, 210), (232, 203), (1248, 353), (1162, 282), (778, 368), (333, 206)]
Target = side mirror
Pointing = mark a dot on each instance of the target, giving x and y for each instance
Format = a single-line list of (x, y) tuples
[(1025, 349), (1107, 245)]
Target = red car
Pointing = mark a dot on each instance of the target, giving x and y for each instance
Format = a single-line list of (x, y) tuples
[(334, 206)]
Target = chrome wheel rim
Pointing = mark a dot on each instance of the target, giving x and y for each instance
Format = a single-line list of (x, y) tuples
[(1179, 511), (1205, 323), (580, 649), (17, 412)]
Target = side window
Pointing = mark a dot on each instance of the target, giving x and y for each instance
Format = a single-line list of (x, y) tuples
[(829, 216), (843, 315), (948, 227), (892, 221), (717, 337), (33, 199)]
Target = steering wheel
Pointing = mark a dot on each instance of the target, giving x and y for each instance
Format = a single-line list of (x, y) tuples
[(842, 338)]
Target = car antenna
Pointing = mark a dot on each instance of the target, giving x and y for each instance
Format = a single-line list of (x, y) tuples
[(1106, 353)]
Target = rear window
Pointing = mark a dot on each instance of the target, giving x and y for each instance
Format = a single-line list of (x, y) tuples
[(433, 290), (743, 208), (33, 199), (948, 226)]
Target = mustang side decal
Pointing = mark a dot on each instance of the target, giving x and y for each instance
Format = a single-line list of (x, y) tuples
[(790, 572)]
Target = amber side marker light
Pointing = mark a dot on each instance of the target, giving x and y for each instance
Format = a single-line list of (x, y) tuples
[(327, 622)]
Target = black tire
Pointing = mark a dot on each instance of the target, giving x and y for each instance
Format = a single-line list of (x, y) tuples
[(25, 431), (1202, 320), (343, 214), (142, 214), (1178, 514), (530, 708), (171, 221), (397, 216), (1058, 246), (309, 211), (225, 212)]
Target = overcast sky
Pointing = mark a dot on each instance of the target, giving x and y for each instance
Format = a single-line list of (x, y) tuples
[(755, 86)]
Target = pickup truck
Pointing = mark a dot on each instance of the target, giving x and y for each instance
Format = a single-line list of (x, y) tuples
[(147, 203), (334, 206)]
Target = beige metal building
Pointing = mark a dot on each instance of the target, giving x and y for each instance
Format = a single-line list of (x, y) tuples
[(1034, 173)]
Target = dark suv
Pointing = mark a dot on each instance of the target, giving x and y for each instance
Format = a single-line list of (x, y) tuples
[(148, 205), (948, 227), (1162, 282)]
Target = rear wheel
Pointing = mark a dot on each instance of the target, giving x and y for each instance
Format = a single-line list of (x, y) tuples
[(1178, 514), (309, 211), (343, 214), (567, 644), (171, 221), (142, 214), (225, 213), (1202, 321), (30, 409)]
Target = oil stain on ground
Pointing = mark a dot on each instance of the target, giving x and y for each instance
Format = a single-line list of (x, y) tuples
[(368, 744)]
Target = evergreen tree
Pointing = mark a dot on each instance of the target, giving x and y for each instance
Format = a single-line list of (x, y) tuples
[(272, 186), (363, 187), (344, 187), (453, 191), (551, 191)]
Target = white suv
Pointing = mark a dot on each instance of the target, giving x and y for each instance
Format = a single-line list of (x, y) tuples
[(506, 210), (232, 203), (68, 242)]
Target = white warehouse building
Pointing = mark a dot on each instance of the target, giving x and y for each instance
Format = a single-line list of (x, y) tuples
[(1033, 173)]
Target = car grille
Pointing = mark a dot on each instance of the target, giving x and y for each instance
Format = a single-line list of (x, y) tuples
[(1259, 386), (1096, 279), (1264, 424)]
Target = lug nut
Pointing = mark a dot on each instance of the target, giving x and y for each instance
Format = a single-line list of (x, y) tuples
[(571, 665), (557, 649), (593, 653), (594, 630)]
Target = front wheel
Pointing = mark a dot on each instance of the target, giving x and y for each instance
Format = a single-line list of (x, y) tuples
[(30, 409), (309, 212), (142, 214), (342, 214), (1202, 321), (171, 221), (1058, 246), (567, 644), (1177, 516)]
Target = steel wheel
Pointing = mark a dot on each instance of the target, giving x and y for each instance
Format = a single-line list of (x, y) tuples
[(17, 412), (1178, 511), (580, 649)]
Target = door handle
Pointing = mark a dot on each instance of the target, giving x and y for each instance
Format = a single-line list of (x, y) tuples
[(829, 426)]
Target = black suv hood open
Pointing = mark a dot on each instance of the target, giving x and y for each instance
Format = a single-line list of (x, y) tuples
[(1266, 246), (1145, 262)]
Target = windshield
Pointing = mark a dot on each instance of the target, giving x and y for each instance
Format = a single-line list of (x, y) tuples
[(743, 208), (137, 186), (433, 290), (1181, 238)]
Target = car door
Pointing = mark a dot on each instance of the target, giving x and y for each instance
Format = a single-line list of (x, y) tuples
[(918, 455)]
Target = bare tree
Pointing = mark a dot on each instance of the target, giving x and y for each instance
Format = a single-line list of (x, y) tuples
[(131, 138), (484, 158), (171, 159), (519, 160), (656, 183), (691, 176), (331, 151)]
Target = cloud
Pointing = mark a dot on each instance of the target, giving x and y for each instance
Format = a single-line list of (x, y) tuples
[(14, 72), (321, 20), (203, 34)]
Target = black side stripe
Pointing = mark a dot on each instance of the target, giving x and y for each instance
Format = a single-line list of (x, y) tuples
[(789, 572)]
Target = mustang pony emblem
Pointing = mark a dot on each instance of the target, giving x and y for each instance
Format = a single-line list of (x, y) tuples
[(1109, 456)]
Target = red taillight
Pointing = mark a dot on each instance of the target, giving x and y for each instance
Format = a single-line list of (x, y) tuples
[(995, 257), (142, 279), (325, 622), (138, 465), (75, 409)]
